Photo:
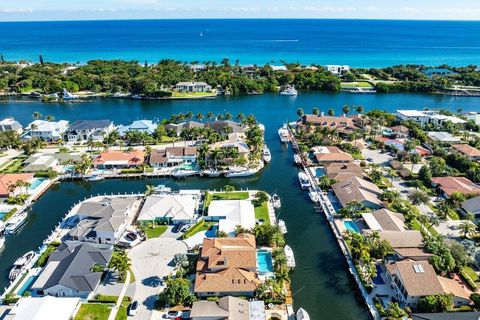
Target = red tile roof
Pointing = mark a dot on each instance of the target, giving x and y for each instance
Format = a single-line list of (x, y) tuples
[(8, 179), (134, 157), (450, 185)]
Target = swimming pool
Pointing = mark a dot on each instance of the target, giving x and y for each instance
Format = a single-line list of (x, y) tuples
[(264, 260), (35, 183), (212, 232), (26, 285), (378, 278), (351, 226), (319, 172)]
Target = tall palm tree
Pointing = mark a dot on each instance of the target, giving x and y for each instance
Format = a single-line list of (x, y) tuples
[(121, 263), (346, 109), (467, 229), (300, 112), (199, 116), (50, 118), (36, 115), (149, 189), (433, 221)]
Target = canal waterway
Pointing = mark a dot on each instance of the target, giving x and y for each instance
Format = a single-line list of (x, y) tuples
[(321, 282)]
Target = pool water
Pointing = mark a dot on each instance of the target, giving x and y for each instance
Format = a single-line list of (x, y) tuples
[(26, 285), (378, 278), (351, 226), (188, 166), (35, 183), (212, 232), (264, 260), (319, 172)]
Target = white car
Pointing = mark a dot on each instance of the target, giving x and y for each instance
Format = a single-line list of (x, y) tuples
[(132, 309), (173, 314)]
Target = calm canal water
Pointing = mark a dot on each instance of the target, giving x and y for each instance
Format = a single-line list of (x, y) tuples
[(321, 283)]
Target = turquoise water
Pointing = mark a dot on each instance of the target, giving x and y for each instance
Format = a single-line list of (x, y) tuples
[(319, 172), (363, 43), (35, 183), (26, 285), (351, 226), (264, 260)]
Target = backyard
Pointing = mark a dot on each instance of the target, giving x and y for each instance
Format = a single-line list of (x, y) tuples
[(261, 212), (155, 231), (238, 195), (93, 311)]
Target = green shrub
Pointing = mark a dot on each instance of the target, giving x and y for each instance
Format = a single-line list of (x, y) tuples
[(51, 174), (9, 214), (100, 298), (193, 229), (467, 278)]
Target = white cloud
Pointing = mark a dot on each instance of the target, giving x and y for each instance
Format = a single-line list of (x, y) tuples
[(19, 10), (410, 10)]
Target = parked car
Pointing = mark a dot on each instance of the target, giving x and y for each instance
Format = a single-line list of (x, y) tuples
[(132, 308), (177, 227), (369, 159), (174, 314), (185, 228)]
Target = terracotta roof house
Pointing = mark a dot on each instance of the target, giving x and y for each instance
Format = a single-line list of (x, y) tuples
[(113, 159), (228, 308), (358, 189), (461, 294), (227, 266), (173, 156), (343, 171), (412, 280), (10, 179), (449, 185), (467, 150), (325, 155), (384, 219), (341, 124)]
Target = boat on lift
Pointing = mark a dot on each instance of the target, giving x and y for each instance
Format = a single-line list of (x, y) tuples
[(297, 159), (283, 134), (314, 196)]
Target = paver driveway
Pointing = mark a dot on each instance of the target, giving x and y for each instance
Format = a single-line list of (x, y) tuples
[(151, 260)]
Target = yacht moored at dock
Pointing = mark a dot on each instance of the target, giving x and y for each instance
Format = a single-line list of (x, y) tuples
[(289, 91), (282, 226), (69, 96), (302, 314), (181, 173), (283, 134), (95, 178), (2, 234), (304, 181), (15, 222), (266, 155), (313, 194), (240, 173), (20, 264), (297, 159), (211, 173), (290, 257), (276, 201)]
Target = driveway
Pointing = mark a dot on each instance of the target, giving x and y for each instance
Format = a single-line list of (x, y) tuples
[(152, 260), (376, 156)]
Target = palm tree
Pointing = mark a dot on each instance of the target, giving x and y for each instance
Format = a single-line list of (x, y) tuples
[(331, 112), (359, 109), (467, 229), (418, 197), (36, 115), (50, 118), (394, 312), (240, 117), (199, 116), (209, 115), (149, 190), (215, 154), (414, 159), (300, 112), (346, 109), (433, 221), (121, 263), (316, 111)]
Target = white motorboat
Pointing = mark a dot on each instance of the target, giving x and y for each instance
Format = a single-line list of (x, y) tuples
[(283, 134), (314, 196), (69, 96), (290, 257), (95, 178), (289, 91), (276, 201), (20, 264), (162, 189), (239, 173), (282, 226), (182, 173), (304, 181), (15, 222), (302, 314), (212, 173), (297, 159), (2, 234), (267, 156)]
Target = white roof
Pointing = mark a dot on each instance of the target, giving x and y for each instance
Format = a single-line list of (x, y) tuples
[(47, 307), (177, 207), (447, 118), (42, 160), (371, 222), (42, 125), (443, 136), (235, 213), (411, 113)]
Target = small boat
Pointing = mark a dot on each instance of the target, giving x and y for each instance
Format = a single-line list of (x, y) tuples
[(239, 173), (211, 173), (290, 257), (302, 314), (15, 222), (181, 173), (297, 159), (282, 226), (303, 180), (289, 91), (95, 178), (267, 156), (283, 134), (2, 234), (69, 96), (276, 201), (313, 194), (162, 189), (20, 264)]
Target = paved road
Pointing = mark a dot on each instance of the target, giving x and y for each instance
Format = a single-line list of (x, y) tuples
[(151, 260)]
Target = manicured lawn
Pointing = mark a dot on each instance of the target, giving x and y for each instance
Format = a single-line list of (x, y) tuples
[(176, 94), (471, 273), (14, 166), (416, 226), (261, 212), (155, 232), (93, 311), (361, 84), (198, 227), (236, 195)]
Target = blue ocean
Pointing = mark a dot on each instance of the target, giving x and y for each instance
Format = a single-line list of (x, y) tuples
[(359, 43)]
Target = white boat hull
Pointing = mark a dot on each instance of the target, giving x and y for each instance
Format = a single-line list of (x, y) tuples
[(302, 314), (303, 180), (184, 173), (239, 174), (290, 257), (15, 223), (211, 174)]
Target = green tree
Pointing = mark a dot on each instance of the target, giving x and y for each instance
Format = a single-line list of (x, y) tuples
[(418, 197), (300, 112), (228, 188), (177, 292), (120, 262)]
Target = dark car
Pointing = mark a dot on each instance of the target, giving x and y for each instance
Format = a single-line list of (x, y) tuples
[(132, 309), (177, 227), (131, 236)]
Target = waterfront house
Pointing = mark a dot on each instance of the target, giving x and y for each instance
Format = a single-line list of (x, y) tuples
[(424, 117), (338, 70), (232, 213), (358, 189), (443, 137), (193, 87), (228, 308), (471, 205), (10, 124), (173, 156), (225, 126), (227, 266), (473, 116), (342, 124), (45, 130), (343, 171), (70, 272), (457, 289), (399, 132), (412, 280), (406, 244), (40, 162), (177, 128), (170, 208), (384, 219), (85, 130), (467, 150), (144, 126), (113, 159), (326, 155), (8, 183), (41, 308), (233, 142), (103, 220), (449, 185)]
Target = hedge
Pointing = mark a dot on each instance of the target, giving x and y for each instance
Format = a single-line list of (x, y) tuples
[(193, 229), (9, 214), (469, 280)]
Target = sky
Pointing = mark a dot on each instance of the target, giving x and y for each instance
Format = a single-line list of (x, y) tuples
[(34, 10)]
